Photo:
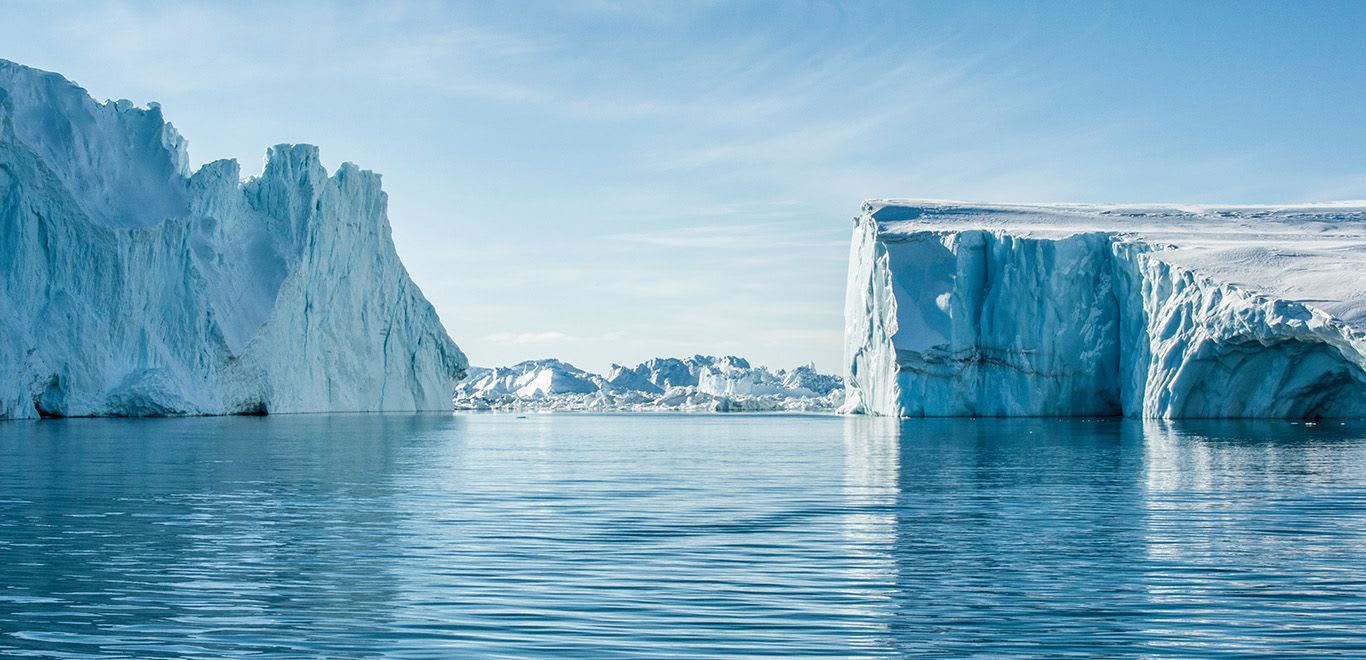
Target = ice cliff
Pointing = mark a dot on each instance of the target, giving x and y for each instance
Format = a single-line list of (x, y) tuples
[(132, 286), (1075, 310), (695, 384)]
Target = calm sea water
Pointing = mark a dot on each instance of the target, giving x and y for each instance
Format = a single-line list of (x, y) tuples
[(603, 536)]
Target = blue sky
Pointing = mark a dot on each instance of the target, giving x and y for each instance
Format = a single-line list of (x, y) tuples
[(606, 182)]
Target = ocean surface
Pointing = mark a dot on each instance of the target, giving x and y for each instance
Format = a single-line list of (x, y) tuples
[(601, 536)]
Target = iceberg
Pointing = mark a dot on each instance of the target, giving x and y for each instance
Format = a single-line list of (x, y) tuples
[(1164, 312), (701, 383), (133, 286)]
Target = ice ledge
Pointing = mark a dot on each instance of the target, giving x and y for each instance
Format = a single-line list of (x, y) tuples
[(943, 210), (1310, 253)]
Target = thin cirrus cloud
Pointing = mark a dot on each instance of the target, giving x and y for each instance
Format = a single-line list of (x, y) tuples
[(520, 338), (711, 236)]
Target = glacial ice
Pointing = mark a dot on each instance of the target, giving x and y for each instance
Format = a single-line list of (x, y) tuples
[(1077, 310), (132, 286), (701, 383)]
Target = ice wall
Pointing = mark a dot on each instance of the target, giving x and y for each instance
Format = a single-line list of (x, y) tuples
[(133, 288), (969, 310)]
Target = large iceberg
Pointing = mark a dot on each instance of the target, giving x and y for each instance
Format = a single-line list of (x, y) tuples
[(132, 286), (701, 383), (1076, 310)]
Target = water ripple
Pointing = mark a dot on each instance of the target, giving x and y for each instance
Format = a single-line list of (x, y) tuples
[(674, 535)]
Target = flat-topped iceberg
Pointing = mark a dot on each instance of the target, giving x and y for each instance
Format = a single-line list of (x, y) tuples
[(132, 286), (1077, 310), (696, 384)]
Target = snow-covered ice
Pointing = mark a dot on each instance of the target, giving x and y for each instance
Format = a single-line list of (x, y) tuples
[(132, 286), (698, 383), (957, 309)]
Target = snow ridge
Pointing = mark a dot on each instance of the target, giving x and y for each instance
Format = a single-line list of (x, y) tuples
[(696, 384), (132, 287), (1158, 312)]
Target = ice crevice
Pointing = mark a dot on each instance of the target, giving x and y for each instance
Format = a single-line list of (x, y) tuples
[(969, 310)]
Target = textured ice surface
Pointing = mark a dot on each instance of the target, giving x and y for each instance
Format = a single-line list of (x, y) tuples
[(131, 287), (698, 383), (1165, 312)]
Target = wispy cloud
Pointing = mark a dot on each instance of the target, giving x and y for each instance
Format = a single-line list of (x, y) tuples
[(246, 45), (712, 236), (804, 144), (519, 338), (762, 237)]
